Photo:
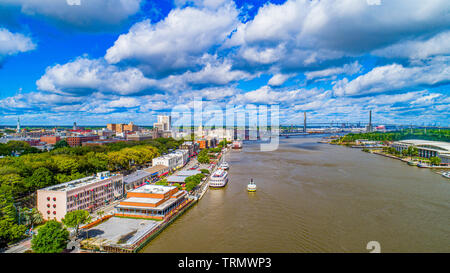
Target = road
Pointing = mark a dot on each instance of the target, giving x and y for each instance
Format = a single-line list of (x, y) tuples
[(20, 247)]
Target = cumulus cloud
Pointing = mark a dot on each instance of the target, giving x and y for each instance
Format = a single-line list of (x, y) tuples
[(348, 69), (203, 49), (395, 77), (312, 32), (84, 76), (36, 100), (278, 79), (418, 48), (176, 42), (82, 14), (13, 43)]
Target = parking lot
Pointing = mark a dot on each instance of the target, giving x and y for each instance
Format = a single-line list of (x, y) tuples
[(118, 230)]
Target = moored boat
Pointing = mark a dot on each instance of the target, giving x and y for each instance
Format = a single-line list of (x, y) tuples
[(237, 144), (224, 166), (218, 179), (446, 174), (412, 163)]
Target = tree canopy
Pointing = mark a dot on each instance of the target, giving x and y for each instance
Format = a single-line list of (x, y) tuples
[(51, 238), (76, 218)]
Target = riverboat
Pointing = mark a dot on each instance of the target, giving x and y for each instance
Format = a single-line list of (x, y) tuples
[(218, 179), (251, 187)]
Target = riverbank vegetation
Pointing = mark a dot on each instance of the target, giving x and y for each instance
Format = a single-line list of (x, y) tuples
[(429, 134), (21, 176), (192, 181)]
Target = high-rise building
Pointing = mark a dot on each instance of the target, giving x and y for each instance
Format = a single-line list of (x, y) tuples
[(164, 123), (369, 127), (304, 122), (120, 128)]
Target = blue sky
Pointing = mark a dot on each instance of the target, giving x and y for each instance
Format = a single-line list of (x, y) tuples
[(101, 61)]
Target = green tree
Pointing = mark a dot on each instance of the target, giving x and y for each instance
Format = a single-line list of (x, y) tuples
[(41, 178), (35, 217), (11, 232), (404, 152), (51, 238), (100, 213), (61, 144), (435, 161), (413, 151), (7, 210), (76, 218), (162, 182)]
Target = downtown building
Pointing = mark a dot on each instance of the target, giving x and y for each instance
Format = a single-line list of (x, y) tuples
[(151, 201), (426, 148), (87, 193), (122, 128)]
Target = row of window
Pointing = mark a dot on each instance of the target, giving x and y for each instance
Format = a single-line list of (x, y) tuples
[(91, 194), (85, 203)]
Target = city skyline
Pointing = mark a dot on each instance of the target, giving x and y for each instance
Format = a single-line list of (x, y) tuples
[(99, 65)]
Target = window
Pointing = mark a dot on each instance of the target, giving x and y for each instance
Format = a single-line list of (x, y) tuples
[(54, 198), (48, 212), (48, 198)]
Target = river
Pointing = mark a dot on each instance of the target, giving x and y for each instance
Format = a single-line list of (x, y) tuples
[(316, 197)]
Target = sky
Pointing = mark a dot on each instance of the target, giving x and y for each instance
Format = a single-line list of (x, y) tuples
[(114, 61)]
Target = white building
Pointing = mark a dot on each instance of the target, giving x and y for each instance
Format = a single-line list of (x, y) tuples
[(184, 155), (426, 148), (221, 133), (169, 160), (164, 123)]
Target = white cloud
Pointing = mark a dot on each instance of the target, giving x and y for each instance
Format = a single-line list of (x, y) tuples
[(13, 43), (395, 77), (418, 48), (84, 14), (86, 76), (126, 102), (175, 42), (278, 79), (312, 32), (348, 69)]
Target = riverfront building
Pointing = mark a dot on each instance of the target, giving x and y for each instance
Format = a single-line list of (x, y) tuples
[(142, 177), (426, 148), (86, 193), (151, 201), (173, 161), (169, 160), (181, 176), (136, 179)]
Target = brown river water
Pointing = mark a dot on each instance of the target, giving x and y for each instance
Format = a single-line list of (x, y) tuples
[(314, 197)]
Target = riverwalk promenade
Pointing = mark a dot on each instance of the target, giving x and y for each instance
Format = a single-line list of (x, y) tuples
[(126, 235)]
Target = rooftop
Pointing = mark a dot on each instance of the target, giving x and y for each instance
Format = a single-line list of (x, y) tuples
[(176, 179), (188, 173), (157, 189), (155, 169), (142, 200), (162, 206), (137, 175), (80, 182), (440, 145)]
